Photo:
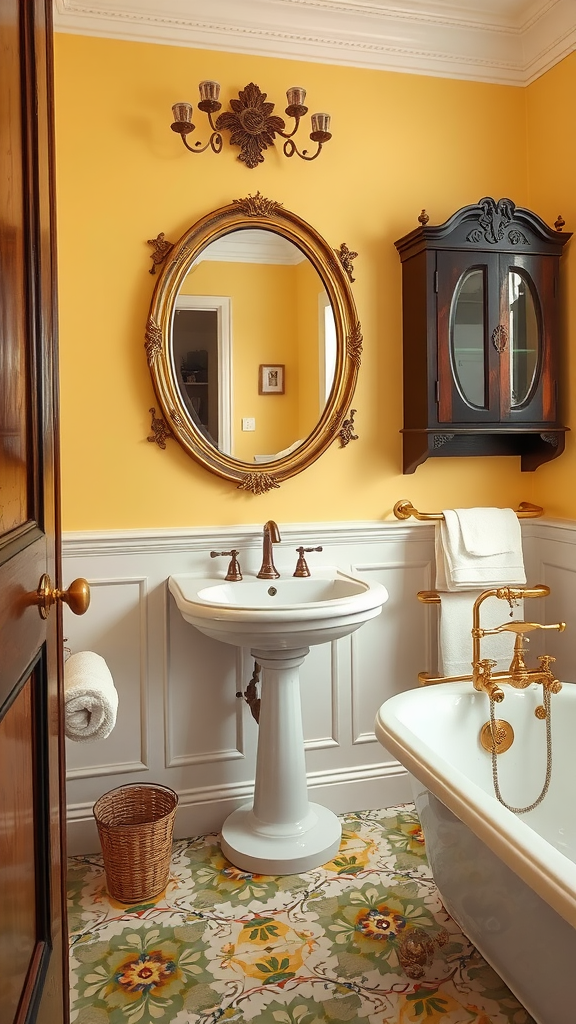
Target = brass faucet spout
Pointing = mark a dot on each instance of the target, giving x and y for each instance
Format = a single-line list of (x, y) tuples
[(272, 528), (494, 691), (268, 570), (516, 593)]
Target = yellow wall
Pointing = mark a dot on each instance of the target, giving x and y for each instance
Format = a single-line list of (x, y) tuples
[(400, 142), (552, 169)]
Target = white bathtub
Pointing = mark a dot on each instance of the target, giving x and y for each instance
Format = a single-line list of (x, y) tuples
[(508, 880)]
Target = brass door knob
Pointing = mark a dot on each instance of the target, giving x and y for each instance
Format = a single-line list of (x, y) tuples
[(77, 597)]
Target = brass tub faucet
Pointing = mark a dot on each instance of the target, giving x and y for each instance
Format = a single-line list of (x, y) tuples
[(268, 570), (518, 674)]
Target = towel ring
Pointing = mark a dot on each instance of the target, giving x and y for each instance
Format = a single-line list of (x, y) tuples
[(404, 509)]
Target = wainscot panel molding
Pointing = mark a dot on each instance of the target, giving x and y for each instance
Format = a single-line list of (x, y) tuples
[(179, 720), (119, 606), (507, 41), (551, 544)]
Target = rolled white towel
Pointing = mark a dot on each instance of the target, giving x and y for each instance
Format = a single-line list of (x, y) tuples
[(90, 697)]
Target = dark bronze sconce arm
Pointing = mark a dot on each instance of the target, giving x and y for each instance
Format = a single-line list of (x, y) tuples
[(184, 128), (214, 143), (320, 125), (209, 104), (319, 135), (295, 109)]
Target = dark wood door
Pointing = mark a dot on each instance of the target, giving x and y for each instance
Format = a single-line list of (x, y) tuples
[(32, 918)]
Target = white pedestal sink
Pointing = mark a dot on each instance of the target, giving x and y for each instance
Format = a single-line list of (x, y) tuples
[(282, 832)]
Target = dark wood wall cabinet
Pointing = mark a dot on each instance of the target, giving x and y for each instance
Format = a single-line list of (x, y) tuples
[(480, 302)]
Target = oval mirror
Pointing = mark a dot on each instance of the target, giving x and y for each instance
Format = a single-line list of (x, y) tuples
[(253, 343)]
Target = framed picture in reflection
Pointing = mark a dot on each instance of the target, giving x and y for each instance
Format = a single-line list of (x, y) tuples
[(271, 379)]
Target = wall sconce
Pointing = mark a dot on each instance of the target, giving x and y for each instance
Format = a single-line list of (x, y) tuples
[(250, 121)]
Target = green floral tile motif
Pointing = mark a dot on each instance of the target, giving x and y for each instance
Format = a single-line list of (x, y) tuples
[(378, 931), (406, 840), (143, 975), (215, 878), (363, 938)]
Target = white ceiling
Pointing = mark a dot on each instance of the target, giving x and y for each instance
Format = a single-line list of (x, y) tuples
[(252, 246), (505, 41)]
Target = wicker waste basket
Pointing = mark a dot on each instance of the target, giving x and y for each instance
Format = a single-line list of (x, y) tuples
[(135, 825)]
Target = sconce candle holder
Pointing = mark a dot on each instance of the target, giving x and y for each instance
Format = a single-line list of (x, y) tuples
[(251, 123)]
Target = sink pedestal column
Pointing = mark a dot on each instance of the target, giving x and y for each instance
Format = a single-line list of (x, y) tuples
[(282, 833)]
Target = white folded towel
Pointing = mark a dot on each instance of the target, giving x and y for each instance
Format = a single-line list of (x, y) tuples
[(478, 548), (90, 697)]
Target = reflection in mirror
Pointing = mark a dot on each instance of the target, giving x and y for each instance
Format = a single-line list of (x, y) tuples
[(524, 337), (467, 333), (201, 363), (328, 347), (252, 297)]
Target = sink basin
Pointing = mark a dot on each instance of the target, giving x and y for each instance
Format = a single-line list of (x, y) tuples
[(281, 614), (281, 832)]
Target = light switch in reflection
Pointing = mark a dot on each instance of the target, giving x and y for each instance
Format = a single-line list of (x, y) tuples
[(248, 423)]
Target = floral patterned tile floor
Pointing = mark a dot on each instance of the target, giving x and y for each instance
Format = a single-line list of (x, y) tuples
[(363, 938)]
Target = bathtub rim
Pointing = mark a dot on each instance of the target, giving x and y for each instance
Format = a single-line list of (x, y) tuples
[(544, 868)]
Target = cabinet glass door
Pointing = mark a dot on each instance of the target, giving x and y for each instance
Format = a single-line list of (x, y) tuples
[(524, 338), (468, 304), (467, 333)]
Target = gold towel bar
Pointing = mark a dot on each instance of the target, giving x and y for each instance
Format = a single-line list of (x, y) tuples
[(404, 509), (540, 590)]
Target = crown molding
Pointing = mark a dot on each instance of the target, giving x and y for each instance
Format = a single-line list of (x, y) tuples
[(509, 42)]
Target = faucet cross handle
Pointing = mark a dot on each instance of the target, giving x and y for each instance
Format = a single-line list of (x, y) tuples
[(301, 565), (234, 573), (482, 677), (550, 683), (486, 666)]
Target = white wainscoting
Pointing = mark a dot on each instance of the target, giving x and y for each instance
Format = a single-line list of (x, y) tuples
[(179, 720), (550, 553)]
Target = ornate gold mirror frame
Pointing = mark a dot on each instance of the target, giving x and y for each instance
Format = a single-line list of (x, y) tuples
[(333, 266)]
